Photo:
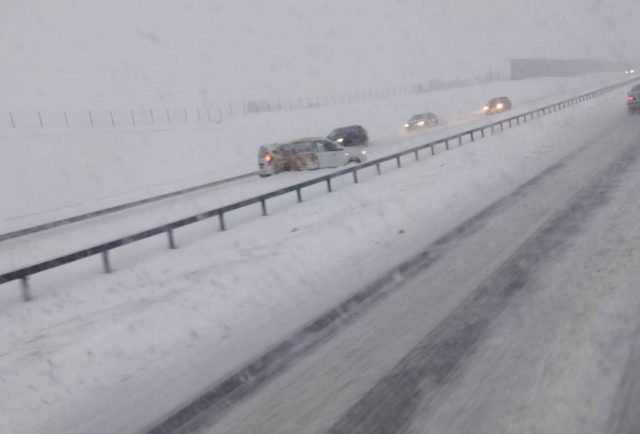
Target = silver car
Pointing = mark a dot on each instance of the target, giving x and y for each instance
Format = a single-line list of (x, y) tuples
[(305, 154)]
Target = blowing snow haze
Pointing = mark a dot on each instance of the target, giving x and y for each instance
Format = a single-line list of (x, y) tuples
[(122, 53)]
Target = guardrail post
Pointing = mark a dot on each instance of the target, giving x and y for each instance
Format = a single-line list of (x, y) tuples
[(509, 123), (378, 168), (493, 130), (501, 126), (446, 144), (471, 134), (263, 203), (106, 262), (398, 161), (355, 176), (329, 185), (518, 120), (433, 151), (172, 241), (25, 290), (223, 227), (416, 154), (299, 194), (482, 131), (459, 140)]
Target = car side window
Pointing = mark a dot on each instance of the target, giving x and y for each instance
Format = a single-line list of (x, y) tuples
[(304, 147), (329, 146)]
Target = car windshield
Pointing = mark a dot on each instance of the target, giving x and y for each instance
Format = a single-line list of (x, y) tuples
[(341, 132), (221, 216)]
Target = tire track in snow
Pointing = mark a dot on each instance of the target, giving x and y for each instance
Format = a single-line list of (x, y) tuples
[(391, 404)]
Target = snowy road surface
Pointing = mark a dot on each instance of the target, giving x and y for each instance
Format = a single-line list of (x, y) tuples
[(527, 324), (115, 354)]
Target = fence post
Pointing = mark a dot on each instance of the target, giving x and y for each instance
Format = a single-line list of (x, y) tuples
[(433, 151), (40, 119), (459, 140), (168, 117), (186, 119), (398, 161), (378, 168), (446, 144), (263, 203), (471, 134), (66, 119), (329, 185), (172, 241), (482, 131), (25, 290), (355, 176), (13, 121), (91, 118), (153, 120), (416, 154), (113, 122), (106, 262), (299, 194)]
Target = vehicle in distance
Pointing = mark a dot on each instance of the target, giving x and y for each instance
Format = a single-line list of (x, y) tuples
[(421, 120), (630, 71), (305, 154), (633, 99), (353, 135), (497, 105)]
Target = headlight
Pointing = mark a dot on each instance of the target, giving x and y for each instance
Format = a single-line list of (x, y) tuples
[(421, 123), (632, 71), (406, 125), (364, 152), (340, 140), (499, 106), (485, 108), (346, 154)]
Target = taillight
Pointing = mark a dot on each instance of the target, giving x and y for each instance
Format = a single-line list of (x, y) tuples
[(631, 98), (268, 157)]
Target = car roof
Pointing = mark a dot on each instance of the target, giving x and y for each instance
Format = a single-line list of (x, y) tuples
[(349, 127)]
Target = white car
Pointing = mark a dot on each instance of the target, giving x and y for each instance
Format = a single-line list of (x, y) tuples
[(306, 154)]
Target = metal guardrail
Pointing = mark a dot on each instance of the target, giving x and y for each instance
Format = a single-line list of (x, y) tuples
[(118, 208), (168, 229)]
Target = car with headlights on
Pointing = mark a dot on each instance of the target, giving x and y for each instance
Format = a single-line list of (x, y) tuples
[(421, 120), (630, 71), (497, 105), (633, 99), (353, 135), (305, 154)]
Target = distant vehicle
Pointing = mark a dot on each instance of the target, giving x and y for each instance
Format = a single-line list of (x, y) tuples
[(630, 71), (633, 99), (497, 105), (305, 154), (421, 120), (353, 135)]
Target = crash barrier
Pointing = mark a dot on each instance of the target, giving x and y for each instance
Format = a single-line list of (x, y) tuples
[(122, 207), (168, 230)]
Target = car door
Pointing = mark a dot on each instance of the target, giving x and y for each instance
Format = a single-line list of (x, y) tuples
[(329, 154)]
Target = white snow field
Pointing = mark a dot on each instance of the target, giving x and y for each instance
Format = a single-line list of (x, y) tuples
[(52, 175), (114, 353)]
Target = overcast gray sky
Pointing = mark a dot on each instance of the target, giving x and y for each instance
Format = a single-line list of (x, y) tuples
[(75, 53)]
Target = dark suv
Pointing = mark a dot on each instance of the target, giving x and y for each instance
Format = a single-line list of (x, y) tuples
[(353, 135), (497, 105), (633, 99)]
